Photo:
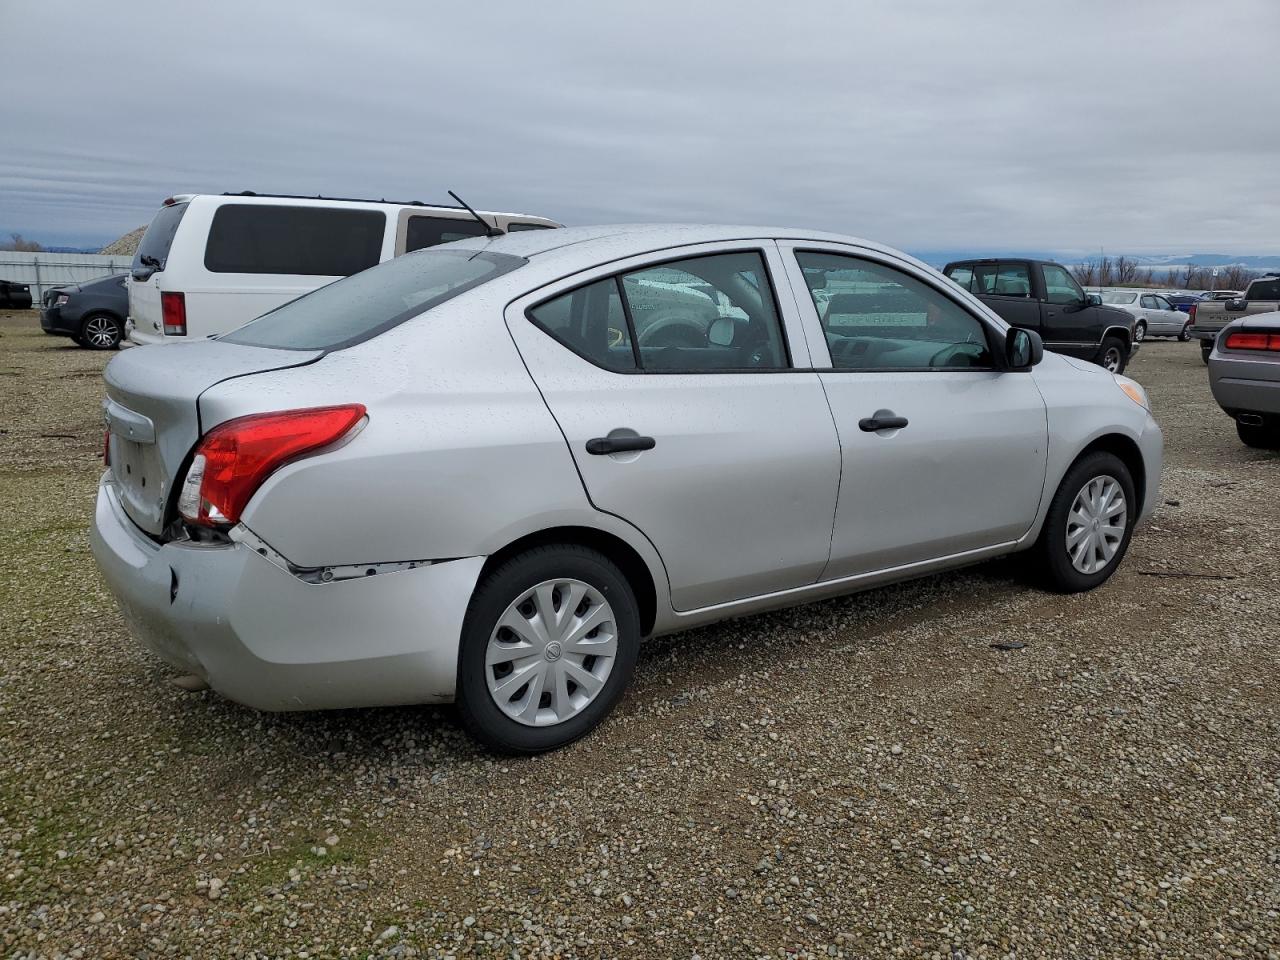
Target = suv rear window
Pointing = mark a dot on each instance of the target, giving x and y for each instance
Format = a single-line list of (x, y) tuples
[(307, 241), (157, 240), (424, 232), (370, 302)]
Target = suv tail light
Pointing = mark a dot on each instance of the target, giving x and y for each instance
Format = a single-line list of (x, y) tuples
[(173, 310), (1253, 341), (1191, 312), (235, 457)]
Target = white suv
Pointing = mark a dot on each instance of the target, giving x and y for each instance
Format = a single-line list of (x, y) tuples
[(210, 263)]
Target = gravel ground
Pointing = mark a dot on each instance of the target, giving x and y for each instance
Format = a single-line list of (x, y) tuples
[(863, 777)]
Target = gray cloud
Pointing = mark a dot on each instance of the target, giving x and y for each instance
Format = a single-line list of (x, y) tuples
[(1139, 126)]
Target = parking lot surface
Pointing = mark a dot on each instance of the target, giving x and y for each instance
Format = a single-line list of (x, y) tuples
[(862, 777)]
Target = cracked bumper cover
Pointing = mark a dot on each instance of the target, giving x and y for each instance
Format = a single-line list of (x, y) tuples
[(268, 639)]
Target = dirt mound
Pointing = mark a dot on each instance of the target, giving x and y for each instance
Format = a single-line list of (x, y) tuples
[(126, 246)]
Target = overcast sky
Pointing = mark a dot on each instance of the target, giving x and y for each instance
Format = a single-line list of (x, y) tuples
[(1138, 126)]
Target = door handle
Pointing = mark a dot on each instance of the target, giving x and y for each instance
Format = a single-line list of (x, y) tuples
[(872, 424), (599, 446)]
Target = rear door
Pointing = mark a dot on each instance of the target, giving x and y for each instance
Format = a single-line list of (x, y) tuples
[(682, 386), (1006, 286), (944, 453)]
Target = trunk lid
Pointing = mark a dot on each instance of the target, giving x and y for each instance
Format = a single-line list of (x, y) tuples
[(153, 414)]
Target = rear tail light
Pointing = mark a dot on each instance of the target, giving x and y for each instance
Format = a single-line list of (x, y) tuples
[(1253, 341), (1192, 311), (235, 457), (173, 309)]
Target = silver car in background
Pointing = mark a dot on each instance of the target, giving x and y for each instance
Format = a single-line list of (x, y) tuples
[(484, 471), (1244, 375), (1153, 315)]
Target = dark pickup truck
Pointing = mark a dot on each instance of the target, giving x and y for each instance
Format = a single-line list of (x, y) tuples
[(1042, 296)]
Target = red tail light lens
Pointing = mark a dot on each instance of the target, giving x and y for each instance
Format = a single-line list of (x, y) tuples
[(1253, 341), (1191, 311), (235, 457), (173, 310)]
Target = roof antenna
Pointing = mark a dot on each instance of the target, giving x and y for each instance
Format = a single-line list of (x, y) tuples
[(489, 229)]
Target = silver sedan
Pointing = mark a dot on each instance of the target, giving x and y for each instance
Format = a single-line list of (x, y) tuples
[(485, 471), (1244, 375), (1153, 315)]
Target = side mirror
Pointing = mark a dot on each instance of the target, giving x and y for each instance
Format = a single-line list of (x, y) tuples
[(1092, 299), (1023, 349), (1236, 305), (721, 331)]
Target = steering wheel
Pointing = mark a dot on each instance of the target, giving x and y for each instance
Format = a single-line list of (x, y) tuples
[(950, 353), (674, 330)]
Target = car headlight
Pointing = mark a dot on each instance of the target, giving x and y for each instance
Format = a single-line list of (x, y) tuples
[(1133, 390), (62, 299)]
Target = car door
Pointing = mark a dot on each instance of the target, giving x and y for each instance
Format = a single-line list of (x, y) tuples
[(1169, 320), (682, 385), (943, 452), (1069, 323)]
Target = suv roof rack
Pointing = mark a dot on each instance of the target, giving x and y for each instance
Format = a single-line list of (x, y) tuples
[(299, 196)]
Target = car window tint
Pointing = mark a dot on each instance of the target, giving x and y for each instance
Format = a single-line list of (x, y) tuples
[(306, 241), (706, 313), (963, 276), (590, 321), (157, 240), (362, 306), (879, 318), (1264, 290), (1060, 286), (1012, 280), (422, 232)]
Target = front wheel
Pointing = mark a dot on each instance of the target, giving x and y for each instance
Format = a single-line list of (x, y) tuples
[(1140, 331), (100, 332), (548, 646), (1112, 354), (1088, 526)]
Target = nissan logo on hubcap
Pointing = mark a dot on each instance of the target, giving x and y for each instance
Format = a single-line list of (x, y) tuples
[(553, 650)]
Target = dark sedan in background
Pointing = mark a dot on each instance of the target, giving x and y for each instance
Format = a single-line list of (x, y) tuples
[(14, 295), (92, 313)]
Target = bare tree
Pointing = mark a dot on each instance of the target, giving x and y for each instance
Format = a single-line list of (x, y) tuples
[(1086, 273), (17, 241), (1235, 277)]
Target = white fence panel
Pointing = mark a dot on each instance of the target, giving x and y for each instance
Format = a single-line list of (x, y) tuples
[(44, 270)]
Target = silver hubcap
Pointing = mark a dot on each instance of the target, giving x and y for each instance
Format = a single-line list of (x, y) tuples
[(1111, 359), (100, 331), (1095, 525), (551, 652), (1139, 332)]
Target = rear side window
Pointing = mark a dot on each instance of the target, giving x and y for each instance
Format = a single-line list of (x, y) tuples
[(153, 249), (962, 275), (422, 232), (372, 301), (307, 241), (1264, 290), (590, 321)]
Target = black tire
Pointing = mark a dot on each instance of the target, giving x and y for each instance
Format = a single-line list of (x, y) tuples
[(1052, 561), (1260, 436), (1113, 354), (1185, 333), (498, 590), (1140, 331), (100, 331), (1206, 348)]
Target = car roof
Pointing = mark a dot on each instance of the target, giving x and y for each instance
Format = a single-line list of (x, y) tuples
[(600, 244)]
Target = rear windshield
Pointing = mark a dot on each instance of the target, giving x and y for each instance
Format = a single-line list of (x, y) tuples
[(1264, 290), (155, 243), (306, 241), (364, 305), (1111, 296)]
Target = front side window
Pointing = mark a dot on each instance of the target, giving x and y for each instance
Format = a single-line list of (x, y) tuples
[(879, 318), (1118, 297), (1162, 303), (422, 232), (372, 301), (303, 241), (1149, 303), (1059, 286), (703, 314)]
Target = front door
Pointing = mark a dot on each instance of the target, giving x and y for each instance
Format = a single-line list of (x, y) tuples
[(1069, 324), (944, 452), (677, 382)]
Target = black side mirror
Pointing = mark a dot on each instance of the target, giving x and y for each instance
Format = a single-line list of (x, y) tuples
[(1092, 299), (1023, 349)]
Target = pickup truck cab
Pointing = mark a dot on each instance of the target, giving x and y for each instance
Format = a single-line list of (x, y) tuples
[(1209, 317), (1041, 295)]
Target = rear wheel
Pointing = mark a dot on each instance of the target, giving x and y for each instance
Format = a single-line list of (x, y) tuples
[(100, 332), (1140, 331), (1262, 436), (1089, 524), (1206, 348), (548, 646), (1185, 333), (1112, 354)]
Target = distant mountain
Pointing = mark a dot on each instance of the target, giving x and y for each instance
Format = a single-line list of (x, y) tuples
[(1161, 261), (70, 249)]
